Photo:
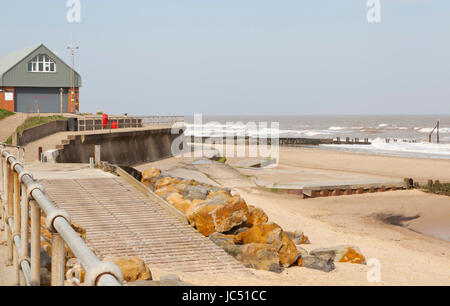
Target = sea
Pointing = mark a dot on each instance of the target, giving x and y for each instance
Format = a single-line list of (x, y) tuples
[(408, 135)]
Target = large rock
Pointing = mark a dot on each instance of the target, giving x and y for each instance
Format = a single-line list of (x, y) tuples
[(271, 233), (195, 192), (260, 256), (179, 202), (226, 193), (342, 253), (302, 251), (255, 216), (227, 216), (212, 216), (317, 263), (149, 175), (237, 230), (202, 219), (133, 268), (194, 206), (190, 182), (166, 191), (226, 243), (165, 181), (298, 237)]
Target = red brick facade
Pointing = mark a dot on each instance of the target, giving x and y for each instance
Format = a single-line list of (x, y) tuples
[(4, 104)]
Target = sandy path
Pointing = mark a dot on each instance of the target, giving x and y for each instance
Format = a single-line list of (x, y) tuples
[(9, 124)]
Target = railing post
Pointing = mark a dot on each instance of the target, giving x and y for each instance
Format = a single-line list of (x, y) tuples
[(1, 176), (3, 193), (16, 214), (57, 260), (24, 252), (10, 212), (35, 243)]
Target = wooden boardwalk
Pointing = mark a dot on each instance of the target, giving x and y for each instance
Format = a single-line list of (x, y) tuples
[(121, 221)]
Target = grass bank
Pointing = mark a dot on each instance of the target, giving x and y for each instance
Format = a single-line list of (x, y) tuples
[(35, 121), (5, 113)]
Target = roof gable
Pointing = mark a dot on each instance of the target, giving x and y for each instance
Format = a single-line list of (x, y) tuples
[(14, 70), (13, 58)]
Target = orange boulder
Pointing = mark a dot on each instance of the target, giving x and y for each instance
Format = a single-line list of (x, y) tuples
[(165, 191), (255, 216), (149, 174), (260, 256), (271, 233), (165, 181), (227, 216), (342, 253), (179, 202), (217, 216)]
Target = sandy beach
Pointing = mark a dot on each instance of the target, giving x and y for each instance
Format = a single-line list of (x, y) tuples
[(413, 252)]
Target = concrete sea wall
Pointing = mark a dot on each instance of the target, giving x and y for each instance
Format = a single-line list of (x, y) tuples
[(119, 147), (38, 132)]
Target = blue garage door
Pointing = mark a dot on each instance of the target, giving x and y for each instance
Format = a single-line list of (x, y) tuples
[(48, 100)]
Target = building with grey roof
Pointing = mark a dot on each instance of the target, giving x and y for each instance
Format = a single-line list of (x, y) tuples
[(35, 79)]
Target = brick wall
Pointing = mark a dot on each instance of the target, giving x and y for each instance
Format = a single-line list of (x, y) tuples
[(8, 105)]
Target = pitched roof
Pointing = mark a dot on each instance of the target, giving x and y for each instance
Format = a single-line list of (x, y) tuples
[(15, 57)]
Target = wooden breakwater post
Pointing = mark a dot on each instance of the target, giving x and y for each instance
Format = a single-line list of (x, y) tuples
[(436, 128)]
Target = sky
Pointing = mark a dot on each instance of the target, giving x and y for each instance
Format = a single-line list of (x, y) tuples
[(246, 57)]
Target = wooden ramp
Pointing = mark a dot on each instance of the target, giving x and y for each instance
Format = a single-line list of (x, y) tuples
[(121, 221)]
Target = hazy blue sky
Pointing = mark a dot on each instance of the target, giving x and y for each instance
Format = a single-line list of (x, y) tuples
[(246, 56)]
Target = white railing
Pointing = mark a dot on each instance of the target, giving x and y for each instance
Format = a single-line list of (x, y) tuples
[(161, 121), (23, 198), (93, 123)]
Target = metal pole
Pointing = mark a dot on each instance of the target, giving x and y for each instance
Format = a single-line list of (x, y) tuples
[(16, 214), (61, 100), (1, 177), (57, 260), (10, 212), (35, 243), (3, 192), (24, 223)]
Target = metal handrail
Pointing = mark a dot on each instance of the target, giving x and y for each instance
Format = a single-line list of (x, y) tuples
[(18, 191), (150, 120)]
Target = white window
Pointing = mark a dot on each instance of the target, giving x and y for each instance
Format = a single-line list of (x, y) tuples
[(41, 63)]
